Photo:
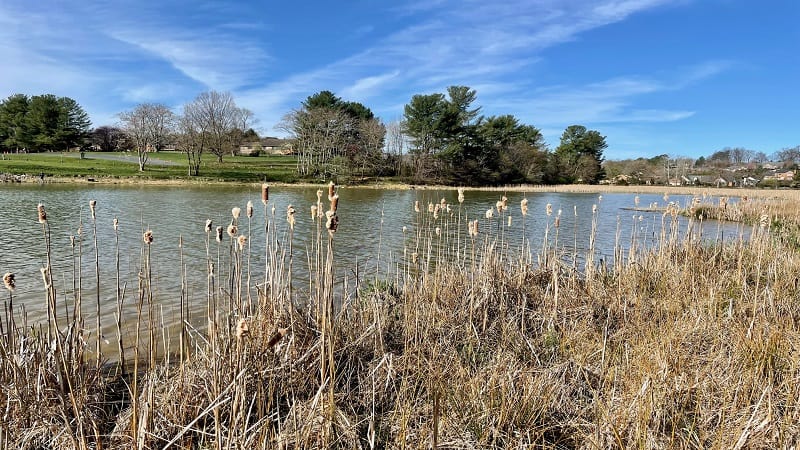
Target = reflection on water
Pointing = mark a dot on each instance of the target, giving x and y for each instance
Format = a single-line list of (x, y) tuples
[(370, 242)]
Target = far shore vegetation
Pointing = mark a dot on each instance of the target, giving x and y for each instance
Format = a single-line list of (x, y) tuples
[(441, 139)]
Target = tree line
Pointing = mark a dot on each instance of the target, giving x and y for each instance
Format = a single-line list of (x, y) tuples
[(441, 138), (42, 123)]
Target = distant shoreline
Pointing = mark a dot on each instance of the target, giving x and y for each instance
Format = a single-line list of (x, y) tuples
[(571, 188)]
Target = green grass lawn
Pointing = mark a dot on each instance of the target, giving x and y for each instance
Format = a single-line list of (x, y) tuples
[(94, 165)]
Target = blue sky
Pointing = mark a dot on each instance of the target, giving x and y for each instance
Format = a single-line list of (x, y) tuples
[(682, 77)]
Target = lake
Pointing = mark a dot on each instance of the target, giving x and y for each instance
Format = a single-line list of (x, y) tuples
[(371, 241)]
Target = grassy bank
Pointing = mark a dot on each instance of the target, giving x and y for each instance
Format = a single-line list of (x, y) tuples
[(163, 166), (469, 343)]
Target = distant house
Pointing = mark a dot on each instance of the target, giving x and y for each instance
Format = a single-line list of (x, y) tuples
[(267, 145), (749, 181), (779, 175)]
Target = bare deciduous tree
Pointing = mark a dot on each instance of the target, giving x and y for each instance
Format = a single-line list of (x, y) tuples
[(147, 126)]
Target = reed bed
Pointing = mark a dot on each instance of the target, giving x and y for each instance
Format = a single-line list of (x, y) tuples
[(469, 341)]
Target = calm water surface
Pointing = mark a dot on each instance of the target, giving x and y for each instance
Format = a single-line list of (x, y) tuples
[(370, 234)]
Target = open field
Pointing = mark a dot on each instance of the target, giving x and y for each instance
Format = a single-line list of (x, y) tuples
[(114, 166), (471, 343)]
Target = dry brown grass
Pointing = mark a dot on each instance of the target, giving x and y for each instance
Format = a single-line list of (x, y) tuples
[(469, 345)]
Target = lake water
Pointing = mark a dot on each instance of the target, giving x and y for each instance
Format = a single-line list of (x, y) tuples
[(369, 243)]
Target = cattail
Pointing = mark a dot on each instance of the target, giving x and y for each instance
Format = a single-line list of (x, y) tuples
[(208, 225), (594, 208), (219, 234), (460, 195), (211, 270), (504, 202), (46, 277), (9, 282), (241, 240), (273, 210), (236, 212), (249, 209), (489, 213), (232, 230), (313, 212), (438, 231), (557, 222), (264, 193), (436, 209), (242, 329), (334, 202), (147, 237), (290, 216), (549, 209), (273, 341), (405, 228), (180, 241), (332, 224), (430, 207), (42, 213), (723, 202), (92, 205), (331, 191), (79, 231), (72, 241), (319, 195), (509, 221), (475, 227), (414, 257), (116, 224), (599, 198), (763, 221), (523, 206), (442, 203), (499, 206), (416, 206)]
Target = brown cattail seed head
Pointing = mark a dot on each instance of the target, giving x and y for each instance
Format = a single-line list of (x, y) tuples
[(147, 237), (460, 195), (438, 231), (523, 206), (416, 206), (236, 212), (116, 224), (264, 193), (242, 329), (332, 224), (72, 241), (334, 202), (290, 216), (331, 191), (273, 341), (249, 209), (42, 213), (489, 213), (92, 206), (313, 212), (241, 240), (430, 207), (232, 230), (9, 282), (208, 225), (509, 221), (549, 209), (219, 234)]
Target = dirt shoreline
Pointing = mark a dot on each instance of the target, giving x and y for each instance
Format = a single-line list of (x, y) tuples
[(572, 188)]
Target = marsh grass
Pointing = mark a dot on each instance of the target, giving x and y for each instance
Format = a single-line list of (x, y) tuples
[(467, 343)]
